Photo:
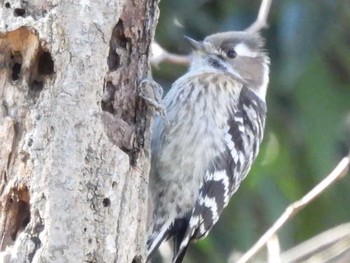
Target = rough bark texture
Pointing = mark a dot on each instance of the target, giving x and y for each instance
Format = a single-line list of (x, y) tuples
[(74, 134)]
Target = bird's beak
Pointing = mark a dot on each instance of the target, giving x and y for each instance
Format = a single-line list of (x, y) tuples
[(196, 45)]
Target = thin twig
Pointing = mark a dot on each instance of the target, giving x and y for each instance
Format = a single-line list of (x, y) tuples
[(338, 172), (159, 55), (273, 250), (261, 20), (329, 244)]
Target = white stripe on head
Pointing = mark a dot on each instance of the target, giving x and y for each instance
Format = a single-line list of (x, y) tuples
[(261, 91), (244, 51)]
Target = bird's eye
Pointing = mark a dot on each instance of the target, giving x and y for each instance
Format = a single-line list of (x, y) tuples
[(231, 53)]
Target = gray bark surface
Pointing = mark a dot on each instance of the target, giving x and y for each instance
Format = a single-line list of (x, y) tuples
[(74, 158)]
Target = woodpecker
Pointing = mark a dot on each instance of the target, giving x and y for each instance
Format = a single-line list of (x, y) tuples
[(215, 123)]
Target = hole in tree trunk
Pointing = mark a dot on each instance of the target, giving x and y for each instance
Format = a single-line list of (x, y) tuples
[(45, 64), (27, 60), (108, 98), (16, 215), (106, 202), (16, 61), (16, 69), (42, 68), (118, 40), (137, 259), (19, 12)]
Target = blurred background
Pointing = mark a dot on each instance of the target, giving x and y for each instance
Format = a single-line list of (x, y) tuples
[(308, 124)]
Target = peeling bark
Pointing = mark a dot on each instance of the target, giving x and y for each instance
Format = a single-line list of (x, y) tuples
[(74, 134)]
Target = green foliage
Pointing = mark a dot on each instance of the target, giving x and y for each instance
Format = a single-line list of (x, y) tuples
[(308, 127)]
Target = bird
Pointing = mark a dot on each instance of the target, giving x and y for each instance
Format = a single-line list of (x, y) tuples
[(215, 119)]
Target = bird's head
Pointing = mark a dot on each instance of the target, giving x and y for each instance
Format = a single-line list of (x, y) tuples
[(238, 53)]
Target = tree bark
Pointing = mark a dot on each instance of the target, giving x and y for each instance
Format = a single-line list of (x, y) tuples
[(74, 135)]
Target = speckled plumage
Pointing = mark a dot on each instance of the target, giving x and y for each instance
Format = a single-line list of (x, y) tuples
[(216, 116)]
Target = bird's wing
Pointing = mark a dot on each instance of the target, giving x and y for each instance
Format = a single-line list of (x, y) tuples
[(220, 182)]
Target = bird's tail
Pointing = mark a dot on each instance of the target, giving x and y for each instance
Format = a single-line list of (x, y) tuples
[(175, 231), (179, 231), (156, 239)]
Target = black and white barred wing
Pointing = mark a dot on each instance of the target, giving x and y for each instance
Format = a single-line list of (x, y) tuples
[(213, 198)]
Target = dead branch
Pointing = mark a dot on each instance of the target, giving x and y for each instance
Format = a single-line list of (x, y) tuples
[(331, 244), (159, 55), (261, 21), (273, 250), (339, 171)]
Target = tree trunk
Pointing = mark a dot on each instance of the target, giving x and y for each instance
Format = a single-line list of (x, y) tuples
[(74, 135)]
